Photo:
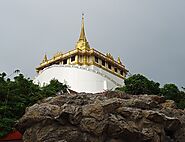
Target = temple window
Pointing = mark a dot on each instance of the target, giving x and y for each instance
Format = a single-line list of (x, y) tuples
[(96, 59), (64, 61), (103, 62), (72, 58), (121, 72), (109, 66), (115, 69)]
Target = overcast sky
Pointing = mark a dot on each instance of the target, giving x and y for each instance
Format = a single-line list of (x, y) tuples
[(148, 35)]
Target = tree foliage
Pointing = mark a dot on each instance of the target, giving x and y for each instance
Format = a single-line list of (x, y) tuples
[(54, 87), (19, 93), (171, 92), (139, 84), (183, 88)]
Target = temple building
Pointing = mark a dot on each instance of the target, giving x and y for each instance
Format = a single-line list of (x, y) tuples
[(83, 69)]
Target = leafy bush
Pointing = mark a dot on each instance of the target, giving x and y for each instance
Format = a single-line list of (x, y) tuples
[(6, 125), (171, 92), (139, 84), (54, 87), (18, 94)]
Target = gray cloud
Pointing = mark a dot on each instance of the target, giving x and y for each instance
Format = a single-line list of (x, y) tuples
[(148, 35)]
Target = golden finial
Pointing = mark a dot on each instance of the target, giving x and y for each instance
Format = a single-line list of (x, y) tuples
[(82, 33), (109, 56), (58, 54), (45, 59), (119, 60), (82, 42)]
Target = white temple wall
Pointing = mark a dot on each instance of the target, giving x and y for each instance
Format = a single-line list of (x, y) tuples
[(89, 79)]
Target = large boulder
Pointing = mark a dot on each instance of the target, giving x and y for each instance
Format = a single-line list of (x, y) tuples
[(103, 117)]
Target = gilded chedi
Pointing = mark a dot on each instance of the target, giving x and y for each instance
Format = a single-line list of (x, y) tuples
[(83, 69)]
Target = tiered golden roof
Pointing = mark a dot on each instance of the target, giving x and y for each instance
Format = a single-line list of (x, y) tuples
[(84, 55)]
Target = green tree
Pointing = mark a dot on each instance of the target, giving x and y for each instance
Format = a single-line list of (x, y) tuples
[(183, 88), (19, 93), (121, 89), (139, 84), (171, 92), (54, 87), (181, 103)]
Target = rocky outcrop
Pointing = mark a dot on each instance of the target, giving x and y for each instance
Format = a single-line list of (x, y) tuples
[(103, 117)]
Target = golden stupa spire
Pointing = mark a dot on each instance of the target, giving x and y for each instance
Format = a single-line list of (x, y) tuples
[(82, 42), (82, 33)]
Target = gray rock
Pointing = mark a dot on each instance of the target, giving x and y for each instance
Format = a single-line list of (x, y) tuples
[(104, 117)]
